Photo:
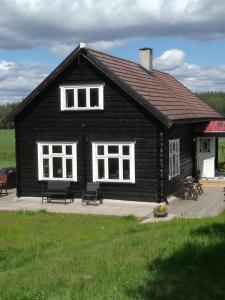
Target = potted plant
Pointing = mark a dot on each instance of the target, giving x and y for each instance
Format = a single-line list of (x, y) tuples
[(160, 211)]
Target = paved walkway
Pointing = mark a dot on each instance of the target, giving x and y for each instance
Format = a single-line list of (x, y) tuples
[(209, 204), (109, 207)]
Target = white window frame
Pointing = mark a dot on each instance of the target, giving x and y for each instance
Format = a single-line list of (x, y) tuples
[(119, 155), (202, 140), (50, 156), (75, 89), (174, 152)]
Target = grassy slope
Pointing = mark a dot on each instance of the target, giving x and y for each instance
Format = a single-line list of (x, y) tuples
[(7, 148), (57, 256)]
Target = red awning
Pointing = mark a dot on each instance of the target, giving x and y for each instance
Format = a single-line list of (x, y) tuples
[(211, 127)]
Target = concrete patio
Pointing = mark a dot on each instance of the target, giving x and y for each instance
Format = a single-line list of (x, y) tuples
[(209, 204), (109, 207)]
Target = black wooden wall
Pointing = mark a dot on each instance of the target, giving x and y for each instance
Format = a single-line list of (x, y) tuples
[(122, 120), (187, 157)]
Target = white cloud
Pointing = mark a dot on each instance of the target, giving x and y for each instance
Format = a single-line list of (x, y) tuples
[(195, 77), (17, 80), (170, 59), (65, 49), (105, 45), (61, 49), (30, 23)]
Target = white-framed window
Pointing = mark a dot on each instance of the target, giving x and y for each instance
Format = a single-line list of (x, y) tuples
[(113, 162), (57, 161), (204, 145), (174, 158), (82, 97)]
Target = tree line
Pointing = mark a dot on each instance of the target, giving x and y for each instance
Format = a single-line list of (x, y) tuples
[(214, 99), (4, 110)]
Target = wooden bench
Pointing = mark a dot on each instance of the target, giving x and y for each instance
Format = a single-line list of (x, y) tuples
[(57, 190), (92, 193)]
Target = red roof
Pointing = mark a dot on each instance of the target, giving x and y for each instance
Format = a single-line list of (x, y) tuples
[(211, 127)]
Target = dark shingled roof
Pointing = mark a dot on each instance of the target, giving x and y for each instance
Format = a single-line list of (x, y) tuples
[(160, 93), (162, 90)]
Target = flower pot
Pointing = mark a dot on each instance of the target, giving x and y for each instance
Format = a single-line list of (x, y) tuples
[(160, 214)]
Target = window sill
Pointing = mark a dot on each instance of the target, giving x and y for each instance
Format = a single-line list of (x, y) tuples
[(82, 109), (171, 177), (115, 181), (57, 179)]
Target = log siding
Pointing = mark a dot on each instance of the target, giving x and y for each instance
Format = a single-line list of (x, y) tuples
[(187, 159), (122, 119)]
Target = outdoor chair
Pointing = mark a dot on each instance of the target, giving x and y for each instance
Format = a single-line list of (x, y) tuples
[(189, 191), (92, 193), (57, 190), (196, 185), (197, 181), (3, 182)]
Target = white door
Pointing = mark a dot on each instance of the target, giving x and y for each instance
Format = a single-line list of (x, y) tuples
[(206, 156)]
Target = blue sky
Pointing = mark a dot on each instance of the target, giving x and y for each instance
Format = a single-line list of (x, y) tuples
[(205, 53), (188, 38)]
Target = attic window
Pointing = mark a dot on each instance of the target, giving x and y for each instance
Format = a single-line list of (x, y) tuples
[(81, 97)]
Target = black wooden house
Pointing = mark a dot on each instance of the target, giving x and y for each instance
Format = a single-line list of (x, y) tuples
[(97, 117)]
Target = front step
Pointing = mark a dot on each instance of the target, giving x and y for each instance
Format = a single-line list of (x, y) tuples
[(213, 181)]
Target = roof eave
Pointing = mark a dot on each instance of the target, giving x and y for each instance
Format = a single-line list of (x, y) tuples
[(195, 120)]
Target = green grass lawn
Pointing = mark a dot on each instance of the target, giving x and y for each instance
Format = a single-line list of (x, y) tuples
[(7, 148), (60, 256)]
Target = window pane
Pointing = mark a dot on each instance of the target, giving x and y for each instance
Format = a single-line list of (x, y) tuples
[(69, 168), (69, 98), (45, 167), (113, 149), (94, 97), (100, 150), (170, 166), (126, 169), (68, 150), (81, 94), (204, 145), (57, 167), (57, 149), (174, 164), (113, 168), (126, 150), (101, 169), (45, 150)]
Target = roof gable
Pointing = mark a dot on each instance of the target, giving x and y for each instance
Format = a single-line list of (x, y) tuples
[(159, 93)]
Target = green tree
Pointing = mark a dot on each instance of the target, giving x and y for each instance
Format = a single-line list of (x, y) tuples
[(215, 99), (4, 110)]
